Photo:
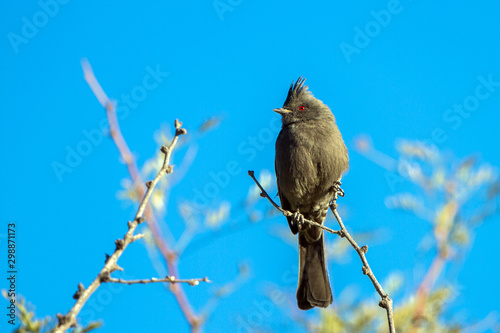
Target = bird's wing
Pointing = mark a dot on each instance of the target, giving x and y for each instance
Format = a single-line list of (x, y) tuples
[(285, 204)]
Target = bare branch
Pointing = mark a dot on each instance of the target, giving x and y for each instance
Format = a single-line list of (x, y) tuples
[(168, 279), (82, 295), (286, 212), (168, 254), (386, 301)]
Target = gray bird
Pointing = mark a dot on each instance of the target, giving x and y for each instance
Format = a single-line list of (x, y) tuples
[(311, 158)]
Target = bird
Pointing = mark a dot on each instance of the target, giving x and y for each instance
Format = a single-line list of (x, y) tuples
[(311, 158)]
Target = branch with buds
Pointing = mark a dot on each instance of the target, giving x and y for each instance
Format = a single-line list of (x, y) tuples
[(111, 265), (386, 301), (169, 255), (286, 212), (168, 279)]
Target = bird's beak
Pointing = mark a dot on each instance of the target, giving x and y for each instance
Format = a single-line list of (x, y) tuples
[(282, 111)]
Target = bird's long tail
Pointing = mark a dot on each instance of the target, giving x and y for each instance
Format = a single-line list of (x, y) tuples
[(314, 287)]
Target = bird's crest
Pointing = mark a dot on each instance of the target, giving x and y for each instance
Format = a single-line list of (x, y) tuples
[(297, 90)]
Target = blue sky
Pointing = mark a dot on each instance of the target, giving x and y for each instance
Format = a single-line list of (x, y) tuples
[(412, 62)]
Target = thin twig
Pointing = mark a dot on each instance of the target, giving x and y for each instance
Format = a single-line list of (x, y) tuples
[(168, 279), (168, 254), (286, 212), (83, 294), (386, 301)]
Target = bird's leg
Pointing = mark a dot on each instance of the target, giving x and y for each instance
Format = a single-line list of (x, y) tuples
[(298, 219), (336, 187)]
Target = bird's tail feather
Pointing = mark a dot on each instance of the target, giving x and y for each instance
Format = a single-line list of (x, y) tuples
[(313, 287)]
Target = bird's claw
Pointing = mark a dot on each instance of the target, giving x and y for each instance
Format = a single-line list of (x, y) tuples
[(298, 219), (336, 187)]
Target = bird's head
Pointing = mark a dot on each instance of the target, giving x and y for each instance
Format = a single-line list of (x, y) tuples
[(300, 105)]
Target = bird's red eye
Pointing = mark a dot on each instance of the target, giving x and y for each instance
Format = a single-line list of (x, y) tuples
[(302, 107)]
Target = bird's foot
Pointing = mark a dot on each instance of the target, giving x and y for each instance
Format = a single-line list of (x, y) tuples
[(336, 187), (298, 219)]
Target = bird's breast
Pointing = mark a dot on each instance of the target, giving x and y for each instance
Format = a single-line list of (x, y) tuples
[(308, 163)]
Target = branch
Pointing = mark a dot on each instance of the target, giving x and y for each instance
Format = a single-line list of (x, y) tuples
[(82, 295), (286, 212), (168, 279), (386, 301), (168, 254)]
